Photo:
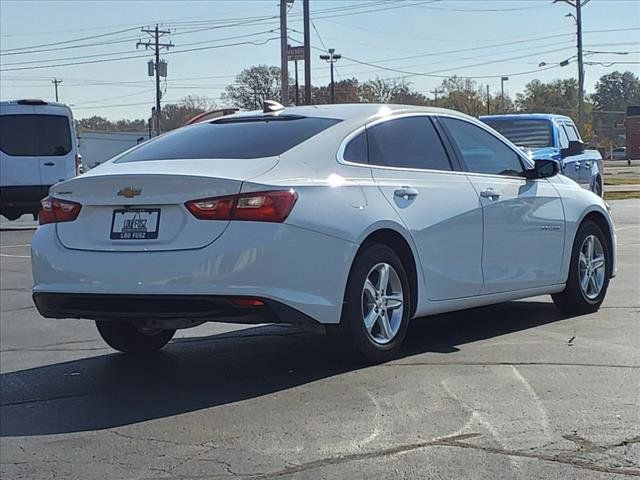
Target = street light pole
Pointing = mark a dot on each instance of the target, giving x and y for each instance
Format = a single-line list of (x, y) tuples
[(332, 58), (502, 80)]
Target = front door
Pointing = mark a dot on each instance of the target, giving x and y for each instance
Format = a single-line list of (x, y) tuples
[(438, 206), (523, 237)]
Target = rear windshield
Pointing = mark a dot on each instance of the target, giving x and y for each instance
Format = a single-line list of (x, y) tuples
[(236, 137), (35, 135), (524, 133)]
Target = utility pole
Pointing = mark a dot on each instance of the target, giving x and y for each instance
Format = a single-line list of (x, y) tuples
[(307, 53), (295, 65), (56, 82), (332, 58), (488, 101), (502, 80), (435, 92), (160, 69), (578, 4), (580, 64), (284, 62)]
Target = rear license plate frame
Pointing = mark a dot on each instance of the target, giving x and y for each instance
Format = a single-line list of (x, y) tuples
[(137, 230)]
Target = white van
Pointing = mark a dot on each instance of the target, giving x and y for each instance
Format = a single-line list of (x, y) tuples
[(38, 148)]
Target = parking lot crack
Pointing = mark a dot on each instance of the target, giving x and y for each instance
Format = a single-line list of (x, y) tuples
[(455, 442)]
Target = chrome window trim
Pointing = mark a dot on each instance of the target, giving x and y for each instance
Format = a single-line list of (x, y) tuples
[(343, 145)]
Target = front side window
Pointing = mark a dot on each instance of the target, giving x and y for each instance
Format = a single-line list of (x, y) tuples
[(481, 151), (572, 133), (409, 142), (562, 137), (35, 135), (231, 138)]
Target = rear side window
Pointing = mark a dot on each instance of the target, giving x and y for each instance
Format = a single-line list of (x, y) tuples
[(482, 151), (356, 149), (231, 138), (409, 142), (35, 135), (531, 133)]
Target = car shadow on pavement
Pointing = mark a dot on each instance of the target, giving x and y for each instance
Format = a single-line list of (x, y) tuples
[(201, 372)]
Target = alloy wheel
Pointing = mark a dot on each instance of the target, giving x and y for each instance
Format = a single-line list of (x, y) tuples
[(382, 303), (591, 265)]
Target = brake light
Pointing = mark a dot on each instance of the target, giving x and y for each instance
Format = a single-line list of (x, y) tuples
[(247, 302), (272, 206), (53, 210)]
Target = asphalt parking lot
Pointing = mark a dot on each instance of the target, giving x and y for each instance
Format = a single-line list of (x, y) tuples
[(509, 391)]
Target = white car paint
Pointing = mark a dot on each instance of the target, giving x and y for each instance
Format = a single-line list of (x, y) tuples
[(468, 250)]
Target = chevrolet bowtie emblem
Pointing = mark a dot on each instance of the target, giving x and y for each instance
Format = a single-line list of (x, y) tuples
[(129, 192)]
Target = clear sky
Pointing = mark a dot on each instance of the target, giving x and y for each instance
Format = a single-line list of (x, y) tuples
[(474, 38)]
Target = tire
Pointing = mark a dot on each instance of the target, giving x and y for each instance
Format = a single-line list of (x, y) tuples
[(597, 187), (126, 337), (12, 214), (383, 340), (575, 299)]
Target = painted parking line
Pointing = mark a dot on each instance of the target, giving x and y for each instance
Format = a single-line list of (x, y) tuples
[(14, 256)]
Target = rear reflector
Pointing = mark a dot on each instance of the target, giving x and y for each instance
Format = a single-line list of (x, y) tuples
[(272, 206), (247, 302), (53, 210)]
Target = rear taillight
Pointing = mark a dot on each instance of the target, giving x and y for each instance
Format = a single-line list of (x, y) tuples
[(273, 206), (53, 210)]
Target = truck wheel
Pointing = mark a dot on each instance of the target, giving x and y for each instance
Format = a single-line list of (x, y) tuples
[(597, 187), (126, 337)]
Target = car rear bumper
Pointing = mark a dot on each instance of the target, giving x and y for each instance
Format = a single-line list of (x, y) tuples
[(165, 308), (299, 268), (25, 198)]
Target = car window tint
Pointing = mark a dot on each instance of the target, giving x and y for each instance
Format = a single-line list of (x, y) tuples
[(35, 135), (356, 149), (572, 133), (231, 138), (482, 151), (562, 137), (410, 142)]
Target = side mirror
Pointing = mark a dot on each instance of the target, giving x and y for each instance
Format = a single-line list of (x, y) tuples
[(575, 148), (543, 169)]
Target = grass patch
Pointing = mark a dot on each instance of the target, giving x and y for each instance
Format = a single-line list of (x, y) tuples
[(622, 181), (621, 195)]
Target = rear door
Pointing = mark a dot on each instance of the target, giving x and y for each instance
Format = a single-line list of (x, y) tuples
[(19, 159), (438, 206), (523, 238), (56, 144)]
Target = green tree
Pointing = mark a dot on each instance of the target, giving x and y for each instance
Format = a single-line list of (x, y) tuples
[(558, 96), (346, 91), (463, 95), (253, 85), (97, 123), (616, 90)]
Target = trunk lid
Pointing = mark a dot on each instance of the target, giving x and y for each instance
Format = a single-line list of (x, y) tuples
[(139, 206)]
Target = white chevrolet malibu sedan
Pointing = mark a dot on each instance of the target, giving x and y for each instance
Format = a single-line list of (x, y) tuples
[(354, 218)]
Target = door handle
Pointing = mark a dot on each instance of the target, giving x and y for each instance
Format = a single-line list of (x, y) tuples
[(490, 193), (48, 164), (406, 192)]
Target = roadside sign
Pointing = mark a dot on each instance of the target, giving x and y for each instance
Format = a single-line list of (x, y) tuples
[(295, 53)]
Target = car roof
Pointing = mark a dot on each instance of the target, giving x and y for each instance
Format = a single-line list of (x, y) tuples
[(525, 116), (44, 108), (352, 111)]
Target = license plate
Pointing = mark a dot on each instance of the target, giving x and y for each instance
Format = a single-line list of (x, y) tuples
[(135, 224)]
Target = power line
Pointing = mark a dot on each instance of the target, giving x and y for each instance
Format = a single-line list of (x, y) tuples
[(71, 41), (139, 56)]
